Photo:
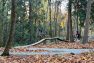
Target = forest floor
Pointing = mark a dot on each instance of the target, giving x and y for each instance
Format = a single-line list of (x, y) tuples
[(68, 58), (87, 57), (69, 45)]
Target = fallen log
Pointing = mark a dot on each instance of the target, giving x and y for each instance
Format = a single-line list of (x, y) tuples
[(38, 42), (43, 40)]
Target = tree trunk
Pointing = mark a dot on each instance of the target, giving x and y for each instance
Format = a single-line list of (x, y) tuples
[(1, 33), (31, 30), (56, 19), (12, 29), (69, 23), (67, 36), (76, 9), (86, 30), (50, 32), (1, 23)]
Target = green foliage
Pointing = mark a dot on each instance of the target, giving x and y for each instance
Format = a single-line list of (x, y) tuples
[(92, 14), (80, 5), (39, 22)]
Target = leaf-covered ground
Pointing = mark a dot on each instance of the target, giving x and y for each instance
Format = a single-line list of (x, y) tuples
[(68, 45), (68, 58)]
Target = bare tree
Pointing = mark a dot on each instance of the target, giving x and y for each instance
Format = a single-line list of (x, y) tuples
[(86, 30), (12, 29)]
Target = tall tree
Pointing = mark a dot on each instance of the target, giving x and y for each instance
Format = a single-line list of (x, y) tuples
[(1, 32), (69, 23), (30, 21), (50, 32), (56, 15), (12, 29), (86, 29), (77, 15), (1, 22)]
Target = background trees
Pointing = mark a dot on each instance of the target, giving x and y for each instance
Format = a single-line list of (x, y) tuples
[(38, 19), (32, 21)]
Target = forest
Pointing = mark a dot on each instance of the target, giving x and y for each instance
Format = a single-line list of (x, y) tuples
[(46, 31)]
